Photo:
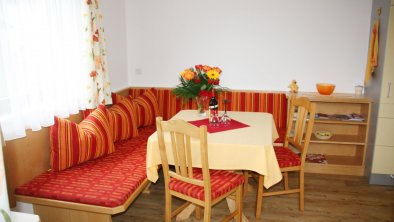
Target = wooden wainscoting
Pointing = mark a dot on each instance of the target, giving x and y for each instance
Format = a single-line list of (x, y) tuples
[(28, 157)]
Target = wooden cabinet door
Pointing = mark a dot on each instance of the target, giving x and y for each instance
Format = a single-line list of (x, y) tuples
[(386, 110), (382, 160), (384, 132), (387, 92)]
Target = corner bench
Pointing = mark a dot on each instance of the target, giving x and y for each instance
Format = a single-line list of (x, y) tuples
[(92, 191), (97, 189)]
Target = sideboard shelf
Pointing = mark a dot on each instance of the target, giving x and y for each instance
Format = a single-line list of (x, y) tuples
[(348, 122), (345, 151), (341, 139)]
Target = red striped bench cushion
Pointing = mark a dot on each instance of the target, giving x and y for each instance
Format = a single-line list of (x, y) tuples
[(107, 181)]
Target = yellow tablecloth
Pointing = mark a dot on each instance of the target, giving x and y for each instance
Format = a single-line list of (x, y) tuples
[(248, 148)]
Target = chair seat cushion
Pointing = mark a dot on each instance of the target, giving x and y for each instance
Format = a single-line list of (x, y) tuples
[(221, 182), (106, 182), (286, 157)]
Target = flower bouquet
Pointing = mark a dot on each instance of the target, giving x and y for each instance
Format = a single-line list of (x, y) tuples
[(197, 83)]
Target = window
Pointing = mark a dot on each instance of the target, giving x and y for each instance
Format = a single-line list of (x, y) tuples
[(42, 63)]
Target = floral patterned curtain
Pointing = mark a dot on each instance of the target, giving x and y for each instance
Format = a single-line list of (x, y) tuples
[(4, 204), (99, 84)]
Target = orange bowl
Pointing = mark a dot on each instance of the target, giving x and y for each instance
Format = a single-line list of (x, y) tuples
[(325, 88)]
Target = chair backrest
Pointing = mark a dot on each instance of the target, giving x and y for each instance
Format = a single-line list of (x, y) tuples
[(182, 139), (300, 125)]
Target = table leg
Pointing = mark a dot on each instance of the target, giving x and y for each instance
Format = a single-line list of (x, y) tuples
[(185, 214), (232, 206), (147, 190)]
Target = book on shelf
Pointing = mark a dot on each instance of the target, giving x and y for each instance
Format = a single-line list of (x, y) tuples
[(340, 117), (345, 117), (356, 117), (316, 158), (322, 116)]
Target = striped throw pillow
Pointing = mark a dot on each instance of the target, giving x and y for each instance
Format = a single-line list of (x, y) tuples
[(116, 98), (147, 108), (72, 144), (123, 120)]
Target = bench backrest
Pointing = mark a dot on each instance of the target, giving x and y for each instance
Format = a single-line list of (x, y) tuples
[(249, 101)]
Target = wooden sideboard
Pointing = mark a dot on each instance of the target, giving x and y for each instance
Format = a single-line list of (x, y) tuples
[(345, 151)]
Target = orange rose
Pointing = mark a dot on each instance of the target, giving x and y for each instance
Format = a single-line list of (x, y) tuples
[(188, 74), (206, 68)]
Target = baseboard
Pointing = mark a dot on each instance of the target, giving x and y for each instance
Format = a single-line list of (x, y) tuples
[(381, 179)]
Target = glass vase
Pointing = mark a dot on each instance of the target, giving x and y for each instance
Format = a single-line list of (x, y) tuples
[(202, 105)]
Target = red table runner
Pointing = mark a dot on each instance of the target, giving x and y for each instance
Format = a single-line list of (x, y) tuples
[(234, 124)]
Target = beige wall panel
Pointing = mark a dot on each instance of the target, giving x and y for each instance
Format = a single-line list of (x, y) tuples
[(28, 157), (383, 162), (386, 110), (384, 132), (387, 91)]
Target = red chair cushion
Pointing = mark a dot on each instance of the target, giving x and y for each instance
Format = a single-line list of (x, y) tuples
[(221, 182), (286, 157), (107, 181)]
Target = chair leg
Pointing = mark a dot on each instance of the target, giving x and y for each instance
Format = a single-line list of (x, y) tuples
[(168, 207), (301, 190), (285, 180), (239, 203), (198, 212), (246, 184), (259, 201), (207, 212)]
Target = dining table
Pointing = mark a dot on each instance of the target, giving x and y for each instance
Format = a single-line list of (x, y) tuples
[(246, 143)]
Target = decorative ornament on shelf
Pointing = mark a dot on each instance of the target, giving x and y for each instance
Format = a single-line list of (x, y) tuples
[(197, 83), (293, 87)]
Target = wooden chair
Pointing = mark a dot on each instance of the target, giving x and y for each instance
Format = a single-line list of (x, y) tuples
[(298, 135), (199, 186)]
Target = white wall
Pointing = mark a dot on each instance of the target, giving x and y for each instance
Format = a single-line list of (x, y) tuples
[(259, 44), (115, 33)]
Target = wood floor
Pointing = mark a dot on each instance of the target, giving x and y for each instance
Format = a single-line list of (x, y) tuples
[(327, 198)]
